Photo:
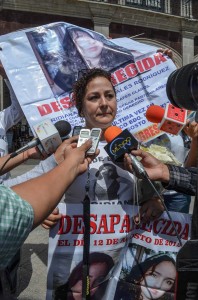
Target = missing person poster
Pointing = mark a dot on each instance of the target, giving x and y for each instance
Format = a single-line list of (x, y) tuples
[(42, 63), (127, 260)]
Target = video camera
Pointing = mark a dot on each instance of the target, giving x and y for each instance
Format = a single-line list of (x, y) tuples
[(182, 87), (182, 91)]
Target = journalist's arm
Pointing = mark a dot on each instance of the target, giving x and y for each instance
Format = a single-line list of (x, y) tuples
[(181, 179), (26, 205), (177, 178)]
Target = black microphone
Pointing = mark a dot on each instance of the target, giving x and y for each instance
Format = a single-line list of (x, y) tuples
[(64, 129), (121, 142), (50, 136)]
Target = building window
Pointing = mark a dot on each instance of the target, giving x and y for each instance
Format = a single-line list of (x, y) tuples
[(147, 4), (186, 8)]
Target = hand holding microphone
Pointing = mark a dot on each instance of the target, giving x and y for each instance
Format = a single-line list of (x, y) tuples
[(49, 136), (154, 168), (49, 139), (121, 142)]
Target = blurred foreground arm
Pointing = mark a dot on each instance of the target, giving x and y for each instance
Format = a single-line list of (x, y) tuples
[(43, 193), (26, 205), (173, 177), (43, 167), (32, 153)]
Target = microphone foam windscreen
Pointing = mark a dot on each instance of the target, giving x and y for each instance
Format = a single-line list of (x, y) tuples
[(63, 127), (155, 113), (111, 133)]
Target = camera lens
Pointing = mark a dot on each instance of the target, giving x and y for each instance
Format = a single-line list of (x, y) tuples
[(182, 87)]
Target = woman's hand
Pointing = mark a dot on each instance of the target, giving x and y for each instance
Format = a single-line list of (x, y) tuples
[(167, 52), (52, 219), (149, 211), (191, 129)]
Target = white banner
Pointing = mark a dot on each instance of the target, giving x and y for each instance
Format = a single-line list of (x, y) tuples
[(121, 252), (42, 63)]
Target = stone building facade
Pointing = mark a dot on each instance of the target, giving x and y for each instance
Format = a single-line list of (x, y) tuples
[(163, 23)]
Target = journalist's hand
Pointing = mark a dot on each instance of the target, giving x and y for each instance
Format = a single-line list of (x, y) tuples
[(60, 151), (191, 129), (78, 158), (155, 169)]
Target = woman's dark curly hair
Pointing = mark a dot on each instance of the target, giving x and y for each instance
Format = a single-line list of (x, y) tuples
[(79, 87)]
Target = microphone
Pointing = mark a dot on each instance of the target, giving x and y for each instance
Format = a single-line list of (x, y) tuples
[(64, 129), (49, 136), (171, 120), (121, 142)]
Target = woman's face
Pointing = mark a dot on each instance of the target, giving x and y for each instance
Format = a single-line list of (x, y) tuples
[(99, 104), (156, 283), (97, 273), (89, 47), (107, 172)]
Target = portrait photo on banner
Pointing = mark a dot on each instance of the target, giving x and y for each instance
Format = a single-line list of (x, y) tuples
[(70, 284), (64, 50), (147, 274)]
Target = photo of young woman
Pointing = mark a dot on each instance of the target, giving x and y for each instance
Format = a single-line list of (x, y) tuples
[(63, 50), (58, 66), (153, 278), (97, 51)]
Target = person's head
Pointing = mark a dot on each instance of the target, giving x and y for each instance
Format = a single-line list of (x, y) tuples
[(89, 47), (95, 98), (156, 276), (108, 171), (100, 266)]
